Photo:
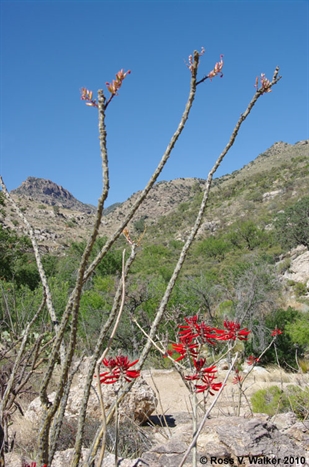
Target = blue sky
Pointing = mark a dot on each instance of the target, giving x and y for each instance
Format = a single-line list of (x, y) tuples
[(50, 49)]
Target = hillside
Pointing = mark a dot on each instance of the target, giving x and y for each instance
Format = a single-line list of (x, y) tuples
[(267, 184)]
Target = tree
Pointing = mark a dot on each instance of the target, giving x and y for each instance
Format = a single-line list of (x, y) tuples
[(292, 225), (67, 325)]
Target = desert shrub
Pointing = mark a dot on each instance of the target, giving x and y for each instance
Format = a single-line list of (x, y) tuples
[(246, 234), (292, 225), (304, 365), (270, 401), (298, 330), (298, 398), (132, 440), (68, 433), (300, 289), (213, 248), (140, 225), (284, 266), (284, 346)]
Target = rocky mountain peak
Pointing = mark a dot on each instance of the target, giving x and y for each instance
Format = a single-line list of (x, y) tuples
[(48, 192)]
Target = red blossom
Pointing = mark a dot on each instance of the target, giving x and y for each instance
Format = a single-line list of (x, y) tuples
[(232, 332), (207, 334), (190, 59), (184, 348), (276, 332), (191, 329), (252, 359), (205, 375), (237, 378), (209, 386), (118, 367)]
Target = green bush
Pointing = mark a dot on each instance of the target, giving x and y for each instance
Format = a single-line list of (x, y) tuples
[(270, 401), (213, 248), (298, 399), (300, 289), (292, 226), (298, 330)]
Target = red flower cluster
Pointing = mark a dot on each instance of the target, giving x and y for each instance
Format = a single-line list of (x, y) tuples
[(205, 375), (192, 336), (276, 332), (232, 331), (118, 367), (194, 330)]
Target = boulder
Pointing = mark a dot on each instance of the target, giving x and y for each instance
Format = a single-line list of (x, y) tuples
[(225, 438), (138, 404), (299, 268)]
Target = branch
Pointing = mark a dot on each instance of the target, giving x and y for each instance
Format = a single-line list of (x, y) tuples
[(197, 434), (156, 173)]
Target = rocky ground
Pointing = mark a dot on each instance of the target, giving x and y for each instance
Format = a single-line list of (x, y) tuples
[(225, 436)]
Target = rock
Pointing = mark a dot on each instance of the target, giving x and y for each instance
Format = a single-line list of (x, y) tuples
[(271, 194), (169, 454), (284, 421), (299, 268), (64, 458), (226, 438), (138, 405), (300, 434)]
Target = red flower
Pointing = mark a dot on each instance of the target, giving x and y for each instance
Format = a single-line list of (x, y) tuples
[(252, 359), (276, 332), (205, 375), (232, 332), (118, 367), (237, 378), (209, 386), (191, 329), (183, 349)]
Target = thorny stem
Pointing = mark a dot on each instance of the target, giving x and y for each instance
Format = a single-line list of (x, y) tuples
[(156, 173), (241, 383), (73, 303), (198, 431), (92, 367), (16, 367), (105, 352)]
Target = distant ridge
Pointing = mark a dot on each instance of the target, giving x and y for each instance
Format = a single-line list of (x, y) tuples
[(48, 192)]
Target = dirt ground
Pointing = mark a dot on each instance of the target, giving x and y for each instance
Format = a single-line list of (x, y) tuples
[(175, 397)]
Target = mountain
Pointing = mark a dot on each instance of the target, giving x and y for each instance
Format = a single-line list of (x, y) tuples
[(48, 192), (275, 179)]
